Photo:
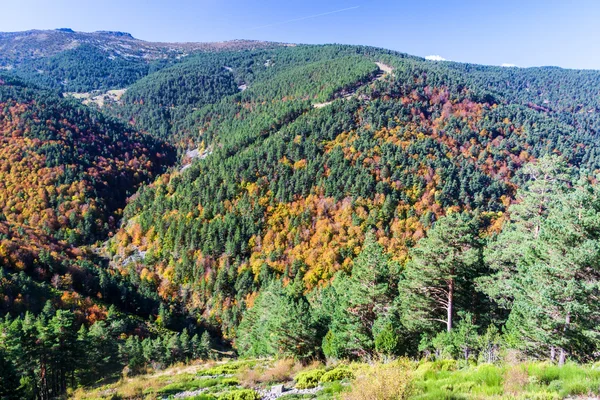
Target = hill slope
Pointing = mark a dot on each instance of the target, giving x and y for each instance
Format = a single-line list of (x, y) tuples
[(66, 171), (289, 191), (321, 186)]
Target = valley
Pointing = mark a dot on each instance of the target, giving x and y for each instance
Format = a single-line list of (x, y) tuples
[(214, 220)]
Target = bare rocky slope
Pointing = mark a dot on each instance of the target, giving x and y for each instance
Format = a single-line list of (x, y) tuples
[(16, 47)]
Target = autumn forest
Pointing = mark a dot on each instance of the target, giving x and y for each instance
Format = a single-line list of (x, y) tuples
[(307, 202)]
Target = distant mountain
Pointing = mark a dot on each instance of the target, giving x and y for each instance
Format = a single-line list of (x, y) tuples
[(80, 62), (16, 47)]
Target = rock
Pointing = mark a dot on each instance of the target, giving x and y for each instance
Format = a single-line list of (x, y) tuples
[(277, 390)]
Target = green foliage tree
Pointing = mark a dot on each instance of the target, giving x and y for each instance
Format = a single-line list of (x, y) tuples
[(279, 323), (438, 280), (9, 384), (361, 301), (553, 276)]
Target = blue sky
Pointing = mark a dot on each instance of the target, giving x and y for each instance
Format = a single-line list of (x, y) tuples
[(524, 33)]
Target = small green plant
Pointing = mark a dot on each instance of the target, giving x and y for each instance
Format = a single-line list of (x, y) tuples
[(309, 379), (332, 390), (445, 365), (189, 385), (574, 389), (229, 382), (226, 369), (539, 396), (296, 396), (337, 374), (203, 397), (241, 394)]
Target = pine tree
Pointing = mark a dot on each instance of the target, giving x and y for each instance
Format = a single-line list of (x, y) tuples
[(360, 301), (186, 345), (544, 184), (545, 262), (173, 349), (205, 345), (438, 281), (279, 323), (9, 380), (555, 281), (132, 354)]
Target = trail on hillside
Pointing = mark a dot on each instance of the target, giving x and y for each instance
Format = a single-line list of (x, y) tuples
[(384, 71)]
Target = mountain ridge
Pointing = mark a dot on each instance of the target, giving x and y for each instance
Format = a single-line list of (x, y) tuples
[(317, 174), (19, 46)]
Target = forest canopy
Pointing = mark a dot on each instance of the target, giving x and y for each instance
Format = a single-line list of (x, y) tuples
[(328, 202)]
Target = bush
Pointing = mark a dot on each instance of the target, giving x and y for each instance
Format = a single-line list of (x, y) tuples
[(572, 388), (331, 390), (249, 377), (545, 372), (515, 379), (226, 369), (539, 396), (177, 387), (337, 374), (391, 381), (387, 341), (445, 365), (202, 397), (309, 379), (281, 371), (241, 394), (429, 369)]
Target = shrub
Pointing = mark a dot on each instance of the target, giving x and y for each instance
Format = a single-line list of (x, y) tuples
[(331, 390), (188, 385), (391, 381), (445, 365), (309, 379), (545, 372), (572, 389), (280, 371), (241, 394), (249, 377), (226, 369), (539, 396), (387, 341), (337, 374), (229, 382), (202, 397), (555, 386)]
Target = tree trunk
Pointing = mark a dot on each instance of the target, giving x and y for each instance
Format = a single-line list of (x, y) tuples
[(563, 354), (450, 304), (552, 353)]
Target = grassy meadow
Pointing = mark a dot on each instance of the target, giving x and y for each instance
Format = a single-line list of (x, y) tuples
[(397, 379)]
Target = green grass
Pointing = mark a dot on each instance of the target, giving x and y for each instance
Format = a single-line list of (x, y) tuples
[(227, 369), (540, 381), (568, 380), (195, 384), (435, 382), (430, 380), (202, 397), (332, 390)]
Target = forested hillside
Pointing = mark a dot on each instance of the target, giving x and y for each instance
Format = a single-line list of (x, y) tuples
[(66, 171), (289, 191), (70, 61), (329, 202)]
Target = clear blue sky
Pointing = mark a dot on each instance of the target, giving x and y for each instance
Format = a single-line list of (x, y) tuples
[(522, 32)]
